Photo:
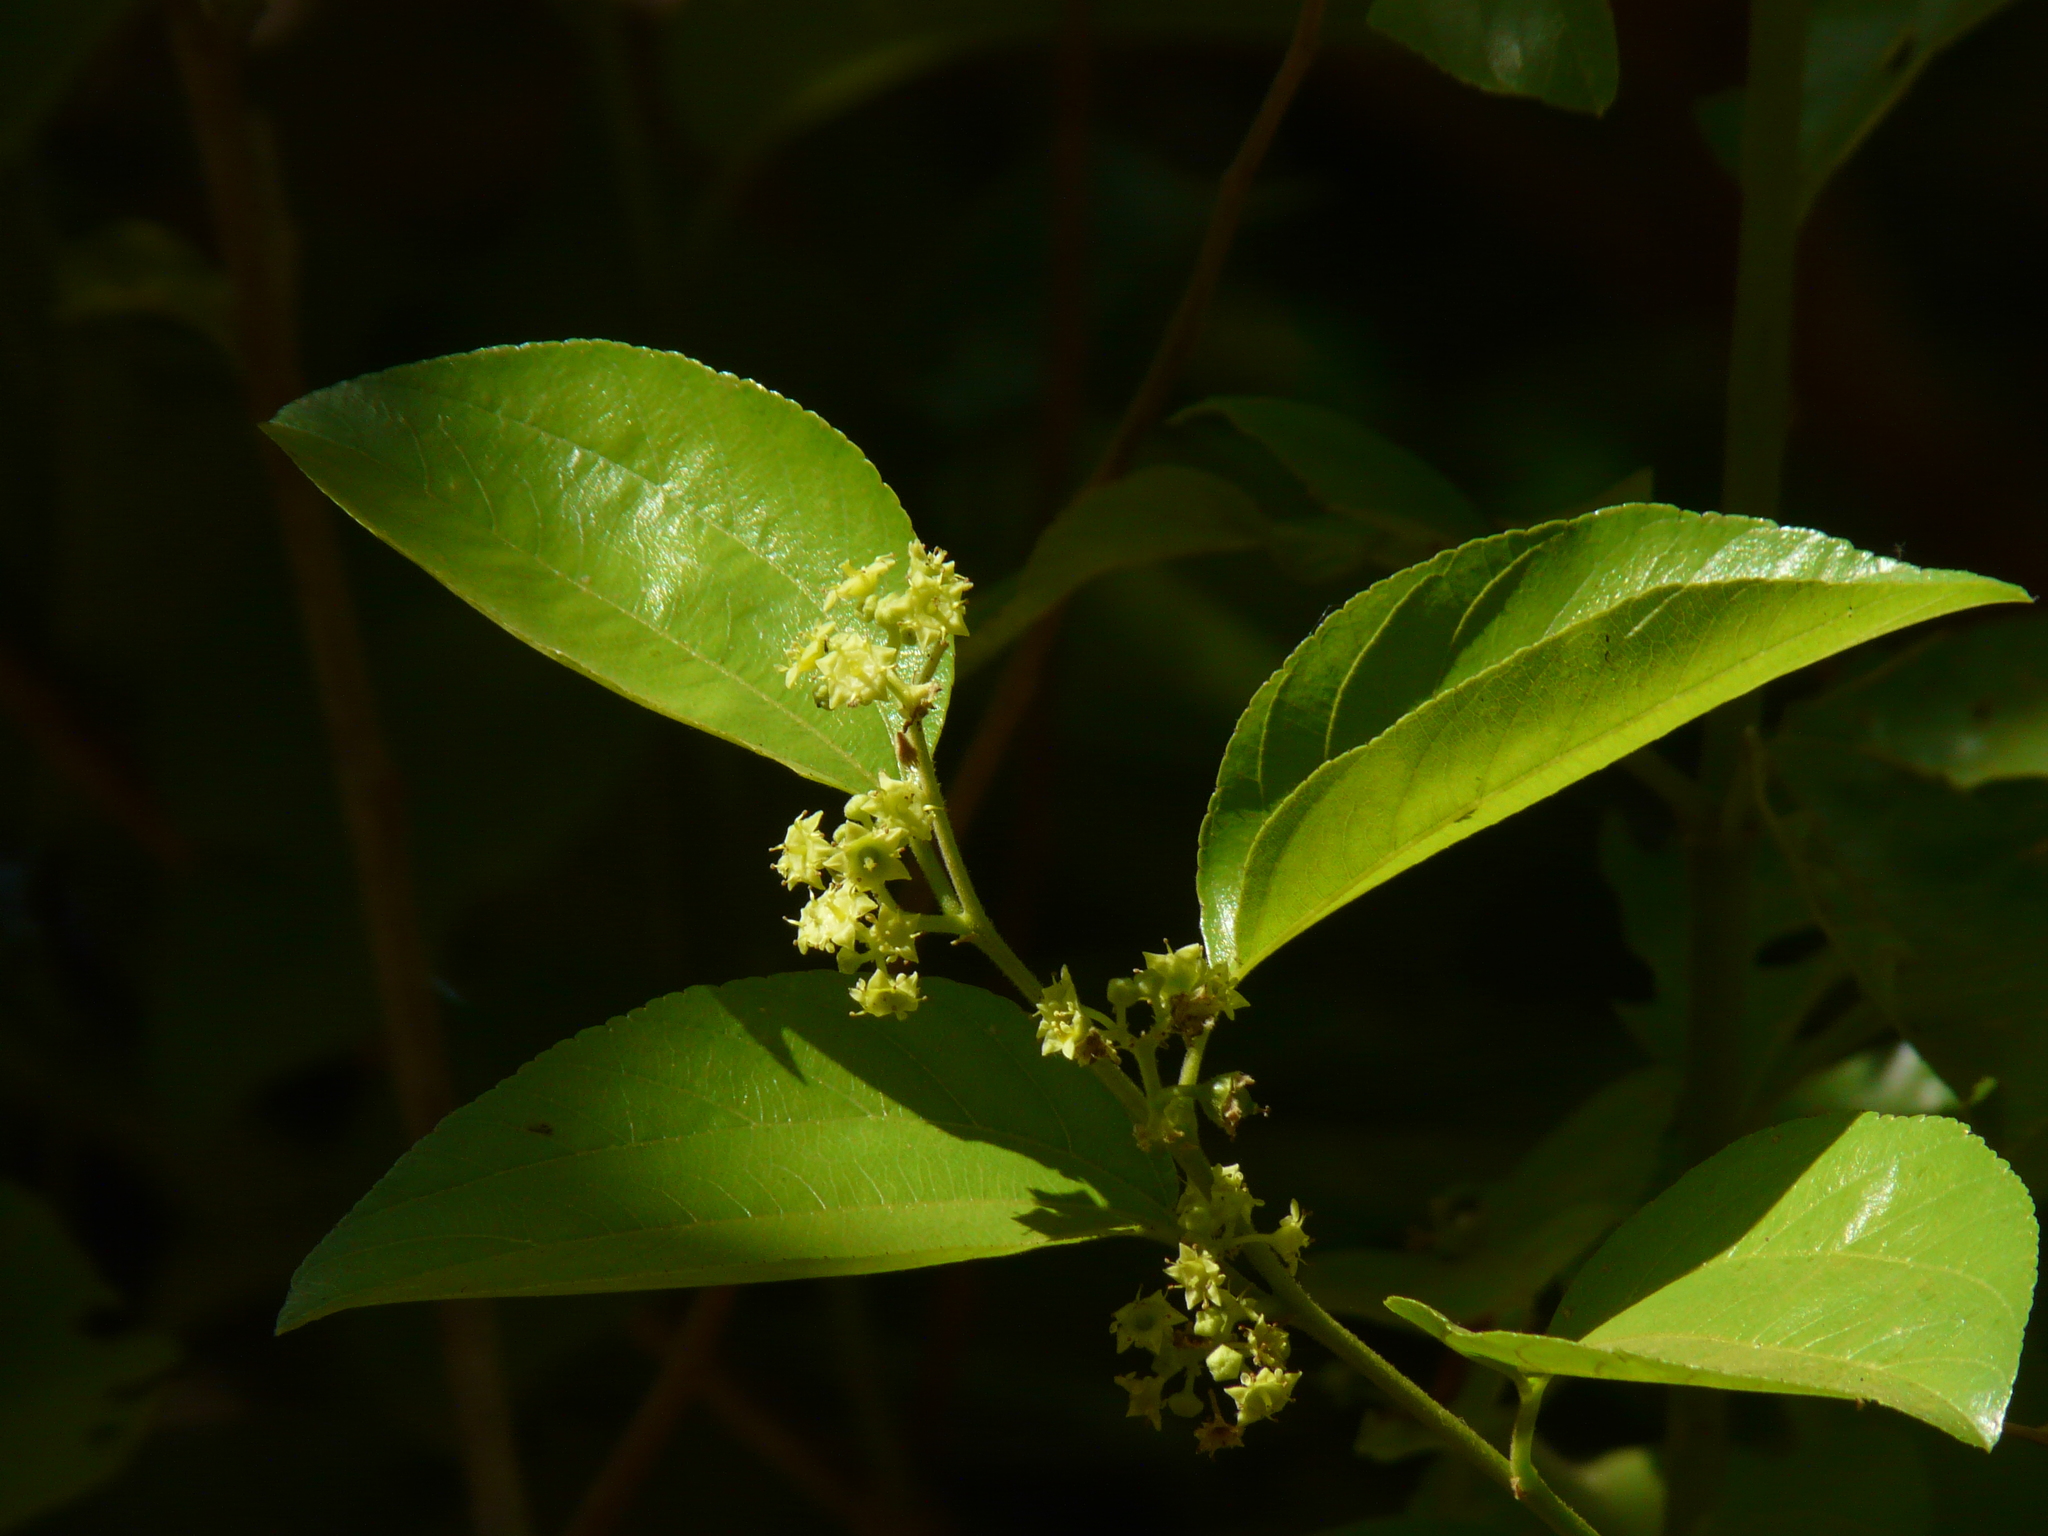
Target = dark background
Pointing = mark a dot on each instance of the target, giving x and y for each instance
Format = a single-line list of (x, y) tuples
[(1537, 303)]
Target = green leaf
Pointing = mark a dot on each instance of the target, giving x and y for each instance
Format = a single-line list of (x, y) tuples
[(1559, 51), (1936, 897), (1869, 1257), (1410, 1525), (1410, 509), (1829, 1471), (1165, 512), (1794, 986), (1574, 1186), (81, 1383), (1862, 56), (1970, 707), (1455, 693), (664, 529), (43, 44), (747, 75), (747, 1132)]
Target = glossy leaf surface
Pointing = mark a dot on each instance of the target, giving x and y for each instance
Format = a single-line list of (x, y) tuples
[(741, 1133), (80, 1381), (1559, 51), (1575, 1186), (1165, 512), (1410, 509), (662, 528), (1874, 1258), (1457, 692)]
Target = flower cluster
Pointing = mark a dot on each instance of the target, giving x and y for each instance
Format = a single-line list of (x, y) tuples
[(1223, 1334), (1185, 990), (848, 669), (1065, 1028), (854, 916)]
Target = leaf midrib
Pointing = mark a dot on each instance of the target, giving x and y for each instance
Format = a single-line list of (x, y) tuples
[(1027, 1146), (1429, 706), (789, 715)]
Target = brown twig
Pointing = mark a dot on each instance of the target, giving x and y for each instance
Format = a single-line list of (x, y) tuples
[(75, 753), (1026, 667), (618, 1483), (1066, 362), (254, 236), (766, 1437)]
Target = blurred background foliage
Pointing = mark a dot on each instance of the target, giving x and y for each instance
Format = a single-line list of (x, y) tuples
[(852, 202)]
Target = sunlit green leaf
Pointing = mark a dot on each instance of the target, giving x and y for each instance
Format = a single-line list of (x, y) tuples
[(1873, 1258), (43, 43), (1165, 512), (1559, 51), (1574, 1186), (1457, 692), (80, 1380), (662, 528), (748, 1132), (1410, 510)]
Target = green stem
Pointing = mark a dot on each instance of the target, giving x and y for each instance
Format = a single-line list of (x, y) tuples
[(1303, 1309), (1524, 1481), (1308, 1315), (1760, 361), (980, 931), (1719, 850)]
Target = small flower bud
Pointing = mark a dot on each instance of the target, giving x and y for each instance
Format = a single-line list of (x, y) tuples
[(1147, 1323), (1196, 1218), (1183, 989), (1213, 1323), (1184, 1404), (1231, 1201), (1226, 1099), (886, 996), (1064, 1030), (1262, 1396), (804, 852), (1225, 1363), (860, 581), (1289, 1239), (1144, 1392), (806, 653)]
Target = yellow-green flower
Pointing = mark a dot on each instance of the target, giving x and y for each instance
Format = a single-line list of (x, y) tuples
[(804, 851), (1264, 1395), (887, 996)]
